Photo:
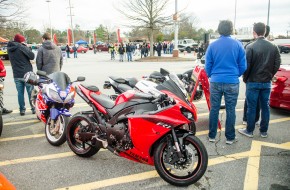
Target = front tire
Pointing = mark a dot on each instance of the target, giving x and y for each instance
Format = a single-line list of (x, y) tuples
[(186, 173), (54, 136), (81, 148)]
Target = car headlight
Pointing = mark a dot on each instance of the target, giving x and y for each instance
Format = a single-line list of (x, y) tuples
[(54, 96), (69, 97)]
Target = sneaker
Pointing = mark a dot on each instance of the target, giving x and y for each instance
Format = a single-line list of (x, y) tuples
[(244, 123), (6, 111), (245, 132), (264, 134), (232, 141), (22, 113), (211, 139)]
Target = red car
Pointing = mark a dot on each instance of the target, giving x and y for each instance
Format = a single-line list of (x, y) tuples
[(280, 93), (80, 49), (102, 47)]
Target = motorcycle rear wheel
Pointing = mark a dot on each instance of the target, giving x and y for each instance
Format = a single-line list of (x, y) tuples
[(60, 137), (80, 148), (186, 173)]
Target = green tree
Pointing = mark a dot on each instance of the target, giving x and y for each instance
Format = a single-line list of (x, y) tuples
[(150, 14), (32, 36)]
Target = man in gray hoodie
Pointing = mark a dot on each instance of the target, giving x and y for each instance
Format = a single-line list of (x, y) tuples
[(49, 56)]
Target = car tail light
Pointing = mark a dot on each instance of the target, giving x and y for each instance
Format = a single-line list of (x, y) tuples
[(279, 79)]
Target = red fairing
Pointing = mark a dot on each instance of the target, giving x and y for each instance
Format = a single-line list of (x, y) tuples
[(88, 95), (191, 108), (125, 97), (145, 130), (41, 107)]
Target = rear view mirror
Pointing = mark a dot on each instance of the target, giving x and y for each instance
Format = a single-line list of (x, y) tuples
[(81, 79)]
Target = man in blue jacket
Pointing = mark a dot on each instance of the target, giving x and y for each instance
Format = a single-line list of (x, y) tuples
[(225, 62)]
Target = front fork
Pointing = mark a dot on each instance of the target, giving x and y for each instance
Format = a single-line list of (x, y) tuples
[(177, 145), (55, 121)]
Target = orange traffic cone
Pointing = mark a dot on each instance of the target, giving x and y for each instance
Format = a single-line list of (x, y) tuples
[(5, 184)]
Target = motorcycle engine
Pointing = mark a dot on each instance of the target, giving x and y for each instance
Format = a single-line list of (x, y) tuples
[(118, 135)]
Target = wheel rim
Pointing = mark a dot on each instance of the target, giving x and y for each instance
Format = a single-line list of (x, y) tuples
[(51, 134), (184, 170), (77, 144)]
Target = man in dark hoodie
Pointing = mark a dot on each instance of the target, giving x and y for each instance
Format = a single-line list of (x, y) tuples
[(20, 56), (49, 57)]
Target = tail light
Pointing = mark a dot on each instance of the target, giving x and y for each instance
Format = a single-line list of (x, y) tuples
[(279, 79)]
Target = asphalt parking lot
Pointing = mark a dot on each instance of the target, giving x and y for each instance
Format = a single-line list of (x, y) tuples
[(30, 162)]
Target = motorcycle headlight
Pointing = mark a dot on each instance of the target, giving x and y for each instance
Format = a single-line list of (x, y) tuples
[(54, 96), (69, 97)]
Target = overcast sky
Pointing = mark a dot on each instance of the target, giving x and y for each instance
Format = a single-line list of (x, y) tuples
[(91, 13)]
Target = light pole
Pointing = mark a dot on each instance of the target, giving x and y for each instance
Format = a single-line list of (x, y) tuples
[(235, 17), (175, 18), (71, 23), (268, 12), (48, 1)]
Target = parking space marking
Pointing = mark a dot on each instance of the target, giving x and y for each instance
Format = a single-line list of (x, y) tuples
[(253, 165), (21, 122), (22, 137), (251, 177), (67, 154)]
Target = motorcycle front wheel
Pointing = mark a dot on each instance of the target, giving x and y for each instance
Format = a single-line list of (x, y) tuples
[(80, 123), (55, 130), (186, 172)]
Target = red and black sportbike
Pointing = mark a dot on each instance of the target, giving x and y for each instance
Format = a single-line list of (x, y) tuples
[(141, 127)]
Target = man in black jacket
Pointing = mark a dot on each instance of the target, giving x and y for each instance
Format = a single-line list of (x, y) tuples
[(263, 59), (20, 56)]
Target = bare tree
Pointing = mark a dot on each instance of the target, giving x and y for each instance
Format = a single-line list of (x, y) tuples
[(148, 14)]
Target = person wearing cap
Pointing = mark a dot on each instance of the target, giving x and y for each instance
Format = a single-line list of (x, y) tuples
[(49, 56), (20, 56), (2, 78)]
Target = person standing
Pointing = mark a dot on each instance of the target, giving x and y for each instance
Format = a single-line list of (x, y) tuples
[(159, 49), (2, 78), (225, 62), (67, 50), (129, 52), (121, 51), (49, 57), (75, 49), (20, 56), (263, 59)]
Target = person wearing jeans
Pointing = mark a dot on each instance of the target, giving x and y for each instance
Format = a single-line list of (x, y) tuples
[(263, 59), (225, 62), (20, 56), (231, 93), (20, 86)]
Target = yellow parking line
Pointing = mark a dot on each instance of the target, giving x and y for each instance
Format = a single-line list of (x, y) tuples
[(38, 158), (21, 137), (61, 155), (21, 122), (251, 179)]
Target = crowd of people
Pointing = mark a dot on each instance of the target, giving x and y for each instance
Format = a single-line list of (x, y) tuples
[(226, 59)]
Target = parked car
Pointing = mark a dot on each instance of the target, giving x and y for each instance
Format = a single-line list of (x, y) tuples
[(102, 47), (187, 45), (3, 53), (284, 48), (81, 49), (280, 92)]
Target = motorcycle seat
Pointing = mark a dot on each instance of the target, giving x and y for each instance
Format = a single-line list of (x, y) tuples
[(104, 100), (130, 81), (91, 87)]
